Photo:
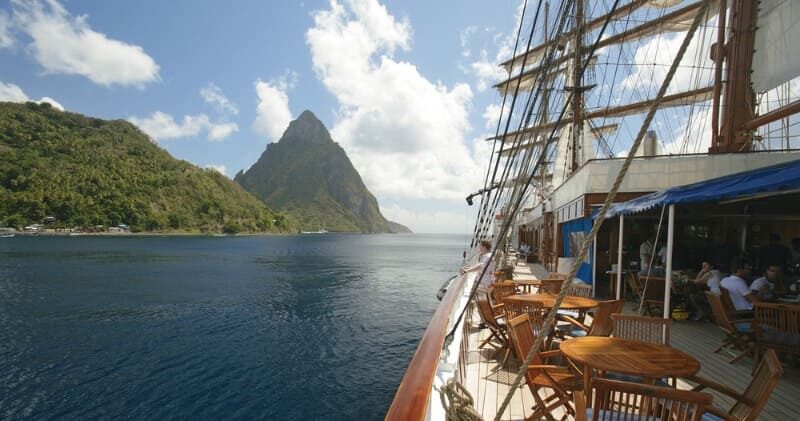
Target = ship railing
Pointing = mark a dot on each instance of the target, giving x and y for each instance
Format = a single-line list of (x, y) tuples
[(434, 364)]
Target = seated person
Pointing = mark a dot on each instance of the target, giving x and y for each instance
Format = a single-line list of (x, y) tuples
[(769, 284), (736, 284), (707, 279)]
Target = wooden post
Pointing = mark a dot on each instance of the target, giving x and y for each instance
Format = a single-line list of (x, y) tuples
[(619, 256), (668, 275)]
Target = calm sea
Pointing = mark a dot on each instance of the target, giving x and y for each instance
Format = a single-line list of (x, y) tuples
[(283, 327)]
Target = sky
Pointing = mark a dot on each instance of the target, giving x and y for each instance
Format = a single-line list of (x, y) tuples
[(403, 86)]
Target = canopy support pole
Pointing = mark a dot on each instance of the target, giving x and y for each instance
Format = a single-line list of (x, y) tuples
[(668, 276), (619, 256), (594, 267)]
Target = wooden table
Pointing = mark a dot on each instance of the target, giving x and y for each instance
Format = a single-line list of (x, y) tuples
[(548, 301), (612, 284), (526, 284), (651, 361)]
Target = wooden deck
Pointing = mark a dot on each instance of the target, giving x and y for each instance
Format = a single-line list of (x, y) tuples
[(488, 383)]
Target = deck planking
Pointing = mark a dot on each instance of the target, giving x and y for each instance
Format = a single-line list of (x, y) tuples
[(489, 383)]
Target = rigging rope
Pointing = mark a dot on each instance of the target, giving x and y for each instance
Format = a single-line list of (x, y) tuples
[(457, 402), (603, 211)]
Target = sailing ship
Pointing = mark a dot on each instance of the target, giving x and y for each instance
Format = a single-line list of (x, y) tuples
[(587, 83)]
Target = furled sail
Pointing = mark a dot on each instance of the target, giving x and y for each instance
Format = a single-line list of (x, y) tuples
[(777, 58)]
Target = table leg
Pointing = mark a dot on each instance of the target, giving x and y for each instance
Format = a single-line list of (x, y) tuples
[(587, 385)]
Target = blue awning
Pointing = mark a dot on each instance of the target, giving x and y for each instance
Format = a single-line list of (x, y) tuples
[(775, 178)]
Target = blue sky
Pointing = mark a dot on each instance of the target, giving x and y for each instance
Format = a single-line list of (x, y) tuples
[(402, 85)]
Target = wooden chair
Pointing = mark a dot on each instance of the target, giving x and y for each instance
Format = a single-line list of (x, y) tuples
[(616, 400), (751, 402), (635, 285), (550, 286), (602, 324), (560, 382), (580, 290), (533, 309), (576, 290), (776, 326), (653, 330), (733, 313), (653, 295), (738, 334), (502, 289), (494, 318)]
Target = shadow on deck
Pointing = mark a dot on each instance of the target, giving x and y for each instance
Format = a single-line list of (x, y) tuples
[(489, 383)]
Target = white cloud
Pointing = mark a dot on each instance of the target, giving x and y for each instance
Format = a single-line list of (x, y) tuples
[(162, 126), (464, 36), (491, 115), (486, 71), (53, 103), (212, 94), (13, 93), (221, 131), (65, 44), (404, 133), (6, 39), (272, 113), (218, 168), (655, 56), (430, 222)]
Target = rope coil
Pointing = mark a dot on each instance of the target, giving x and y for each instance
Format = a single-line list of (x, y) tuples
[(457, 402)]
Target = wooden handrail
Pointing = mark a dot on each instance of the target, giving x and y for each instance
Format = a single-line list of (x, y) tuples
[(411, 400)]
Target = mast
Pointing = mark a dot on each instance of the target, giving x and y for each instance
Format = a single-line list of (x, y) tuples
[(737, 103), (577, 94)]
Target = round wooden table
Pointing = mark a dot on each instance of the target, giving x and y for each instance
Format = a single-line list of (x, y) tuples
[(651, 361), (548, 301), (526, 284)]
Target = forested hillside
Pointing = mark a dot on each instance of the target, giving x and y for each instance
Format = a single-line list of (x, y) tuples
[(86, 171)]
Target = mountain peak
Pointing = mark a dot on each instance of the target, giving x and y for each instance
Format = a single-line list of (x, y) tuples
[(307, 128), (310, 177)]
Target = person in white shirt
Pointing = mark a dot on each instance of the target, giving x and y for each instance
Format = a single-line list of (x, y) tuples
[(645, 256), (709, 277), (764, 286), (736, 284), (484, 261)]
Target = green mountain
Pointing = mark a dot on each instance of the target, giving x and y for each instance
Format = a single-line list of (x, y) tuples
[(86, 171), (309, 176)]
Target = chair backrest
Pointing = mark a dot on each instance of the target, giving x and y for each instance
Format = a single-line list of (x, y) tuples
[(764, 381), (619, 400), (502, 289), (778, 325), (533, 309), (653, 288), (635, 283), (523, 333), (485, 308), (580, 290), (550, 286), (727, 303), (641, 328), (602, 325), (718, 311)]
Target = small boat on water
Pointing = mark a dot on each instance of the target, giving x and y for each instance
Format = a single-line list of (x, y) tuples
[(7, 235)]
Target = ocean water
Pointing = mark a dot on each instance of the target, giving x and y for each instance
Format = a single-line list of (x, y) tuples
[(267, 327)]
